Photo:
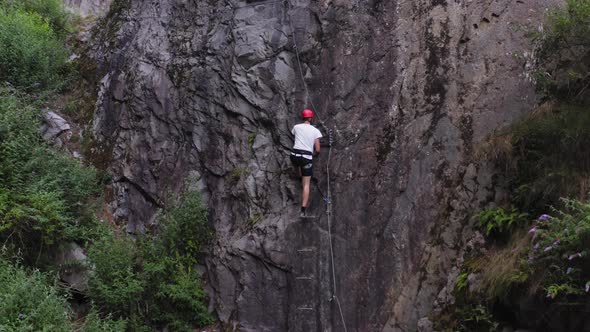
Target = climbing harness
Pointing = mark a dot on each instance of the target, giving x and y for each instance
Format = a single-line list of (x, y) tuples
[(298, 152), (328, 197)]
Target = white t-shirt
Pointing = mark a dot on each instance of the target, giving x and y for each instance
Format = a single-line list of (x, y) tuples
[(305, 136)]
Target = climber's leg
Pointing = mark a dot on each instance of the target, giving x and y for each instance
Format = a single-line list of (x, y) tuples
[(305, 182)]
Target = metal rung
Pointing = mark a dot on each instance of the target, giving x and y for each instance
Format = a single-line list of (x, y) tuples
[(305, 308), (308, 217), (304, 278)]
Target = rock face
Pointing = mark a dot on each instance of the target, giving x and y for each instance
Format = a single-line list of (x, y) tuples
[(72, 262), (205, 93), (88, 7)]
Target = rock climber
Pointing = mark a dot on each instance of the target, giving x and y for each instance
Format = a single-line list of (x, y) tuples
[(306, 146)]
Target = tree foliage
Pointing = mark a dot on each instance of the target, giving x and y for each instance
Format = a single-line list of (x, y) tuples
[(564, 53), (32, 43)]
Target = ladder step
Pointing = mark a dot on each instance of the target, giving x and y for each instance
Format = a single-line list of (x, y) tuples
[(304, 278), (307, 217), (305, 308)]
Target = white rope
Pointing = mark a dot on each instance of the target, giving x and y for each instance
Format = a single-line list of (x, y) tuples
[(329, 192)]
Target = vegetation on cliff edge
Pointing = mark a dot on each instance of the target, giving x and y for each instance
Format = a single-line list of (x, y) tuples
[(534, 272), (49, 199)]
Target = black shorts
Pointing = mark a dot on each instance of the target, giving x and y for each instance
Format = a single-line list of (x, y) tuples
[(306, 165)]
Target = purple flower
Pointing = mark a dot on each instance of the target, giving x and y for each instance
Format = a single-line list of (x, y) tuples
[(574, 256), (544, 217), (536, 245), (533, 230), (549, 295), (547, 248), (569, 270), (556, 242), (587, 286)]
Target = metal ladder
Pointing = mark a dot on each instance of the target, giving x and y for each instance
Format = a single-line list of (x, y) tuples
[(304, 315)]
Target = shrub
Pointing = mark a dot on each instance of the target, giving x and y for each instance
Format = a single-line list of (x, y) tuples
[(94, 323), (29, 303), (154, 282), (53, 11), (551, 157), (468, 318), (170, 260), (564, 53), (560, 250), (115, 285), (175, 292), (31, 54), (43, 192), (551, 260), (185, 228)]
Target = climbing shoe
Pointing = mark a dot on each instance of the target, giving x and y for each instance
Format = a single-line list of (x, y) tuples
[(304, 215)]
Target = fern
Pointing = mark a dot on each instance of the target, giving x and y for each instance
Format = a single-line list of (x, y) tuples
[(498, 222)]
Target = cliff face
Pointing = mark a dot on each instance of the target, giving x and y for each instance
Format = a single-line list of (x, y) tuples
[(205, 93)]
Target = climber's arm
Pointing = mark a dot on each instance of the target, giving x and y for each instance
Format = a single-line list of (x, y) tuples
[(317, 146)]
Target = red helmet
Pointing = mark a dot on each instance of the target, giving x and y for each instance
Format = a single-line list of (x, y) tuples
[(307, 114)]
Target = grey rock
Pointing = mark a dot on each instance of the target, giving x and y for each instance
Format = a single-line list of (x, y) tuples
[(72, 263), (474, 282), (54, 128), (425, 325), (88, 7), (408, 89), (73, 57)]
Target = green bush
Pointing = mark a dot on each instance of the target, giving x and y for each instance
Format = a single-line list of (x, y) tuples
[(560, 250), (185, 228), (564, 55), (467, 318), (551, 156), (551, 260), (115, 284), (94, 323), (170, 260), (153, 281), (52, 11), (29, 303), (31, 54), (174, 291), (44, 193)]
